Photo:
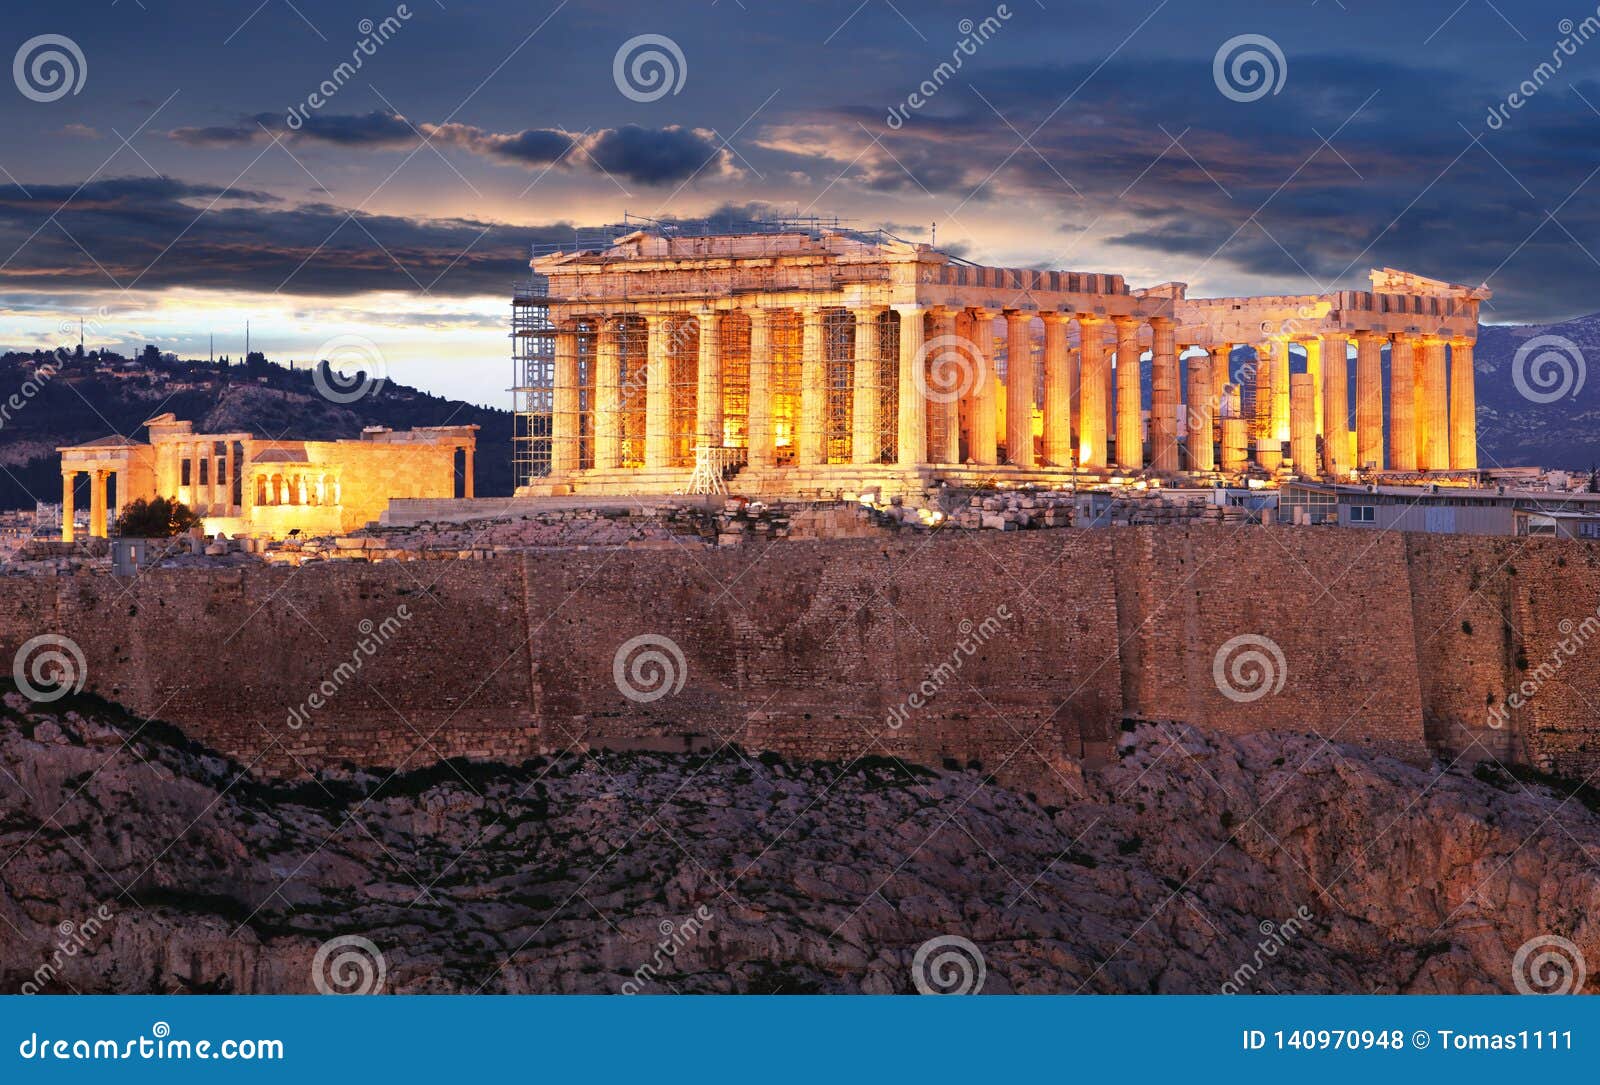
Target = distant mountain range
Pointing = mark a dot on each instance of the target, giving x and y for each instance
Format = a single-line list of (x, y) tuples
[(99, 395)]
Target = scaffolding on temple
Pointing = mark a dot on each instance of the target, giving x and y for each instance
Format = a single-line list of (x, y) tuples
[(533, 361)]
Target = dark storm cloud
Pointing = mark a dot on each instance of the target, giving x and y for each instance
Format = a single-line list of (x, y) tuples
[(650, 156), (159, 232)]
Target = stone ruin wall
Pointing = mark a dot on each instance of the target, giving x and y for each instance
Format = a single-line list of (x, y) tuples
[(811, 648)]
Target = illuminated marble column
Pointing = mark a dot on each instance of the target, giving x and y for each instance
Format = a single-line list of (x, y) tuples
[(1221, 378), (97, 503), (913, 421), (763, 440), (468, 489), (1302, 425), (1313, 349), (950, 376), (1200, 415), (564, 403), (1130, 439), (1019, 388), (657, 393), (1092, 394), (811, 441), (67, 509), (1402, 404), (1435, 406), (708, 383), (1280, 392), (607, 394), (1463, 407), (1163, 396), (1369, 400), (985, 398), (1057, 392), (1269, 450), (1336, 404), (865, 445)]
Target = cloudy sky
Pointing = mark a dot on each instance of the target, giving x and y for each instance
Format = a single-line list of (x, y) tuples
[(181, 179)]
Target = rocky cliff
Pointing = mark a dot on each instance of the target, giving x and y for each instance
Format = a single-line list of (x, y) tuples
[(134, 861)]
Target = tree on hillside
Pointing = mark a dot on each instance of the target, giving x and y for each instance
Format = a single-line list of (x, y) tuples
[(157, 519)]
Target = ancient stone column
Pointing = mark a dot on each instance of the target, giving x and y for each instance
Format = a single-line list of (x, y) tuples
[(1402, 404), (67, 509), (1221, 378), (1130, 439), (1269, 450), (763, 440), (1313, 349), (1092, 394), (1057, 392), (865, 443), (985, 399), (1019, 388), (1336, 405), (657, 394), (1202, 407), (1303, 425), (1163, 396), (467, 487), (708, 383), (213, 483), (811, 440), (948, 386), (608, 394), (564, 403), (1369, 400), (1435, 406), (97, 503), (1235, 438), (1280, 393), (913, 437), (1463, 407)]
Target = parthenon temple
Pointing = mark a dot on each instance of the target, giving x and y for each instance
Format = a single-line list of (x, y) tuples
[(806, 361)]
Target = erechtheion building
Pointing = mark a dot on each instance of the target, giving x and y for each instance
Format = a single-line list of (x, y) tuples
[(824, 359), (242, 484)]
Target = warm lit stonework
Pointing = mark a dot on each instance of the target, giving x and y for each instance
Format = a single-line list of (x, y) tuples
[(837, 361), (242, 484)]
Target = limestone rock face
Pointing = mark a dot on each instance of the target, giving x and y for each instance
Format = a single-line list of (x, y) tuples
[(134, 861)]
